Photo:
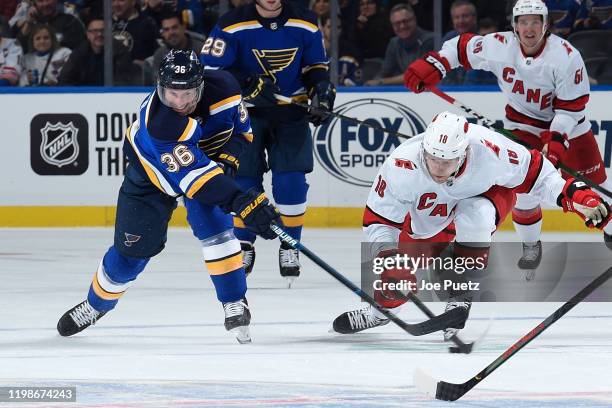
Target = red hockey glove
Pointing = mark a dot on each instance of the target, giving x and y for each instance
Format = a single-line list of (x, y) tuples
[(394, 282), (426, 72), (577, 197), (556, 146)]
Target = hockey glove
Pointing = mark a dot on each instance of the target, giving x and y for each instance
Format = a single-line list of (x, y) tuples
[(322, 97), (394, 281), (426, 72), (259, 91), (577, 197), (255, 210), (229, 164), (556, 145)]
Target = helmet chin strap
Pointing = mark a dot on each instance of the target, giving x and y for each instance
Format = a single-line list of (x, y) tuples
[(451, 179)]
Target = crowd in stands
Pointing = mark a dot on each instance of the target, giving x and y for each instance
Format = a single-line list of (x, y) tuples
[(61, 42)]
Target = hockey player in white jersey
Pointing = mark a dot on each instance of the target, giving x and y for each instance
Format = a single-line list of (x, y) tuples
[(546, 85), (457, 181)]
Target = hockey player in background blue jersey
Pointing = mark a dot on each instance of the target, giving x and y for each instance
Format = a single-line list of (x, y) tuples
[(272, 48), (190, 110)]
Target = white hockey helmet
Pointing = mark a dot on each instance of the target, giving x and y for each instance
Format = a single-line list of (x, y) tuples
[(445, 137), (529, 7)]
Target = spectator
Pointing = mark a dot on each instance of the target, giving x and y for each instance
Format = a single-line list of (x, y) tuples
[(561, 15), (85, 66), (136, 32), (464, 19), (7, 9), (594, 15), (156, 9), (175, 38), (10, 54), (410, 42), (463, 16), (372, 30), (44, 63), (349, 57), (320, 7), (194, 14), (68, 29), (480, 76)]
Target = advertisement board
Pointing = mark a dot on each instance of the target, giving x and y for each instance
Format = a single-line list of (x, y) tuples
[(65, 152)]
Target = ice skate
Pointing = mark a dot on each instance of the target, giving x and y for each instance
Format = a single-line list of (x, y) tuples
[(532, 255), (78, 319), (237, 319), (463, 302), (357, 320), (248, 256), (289, 263)]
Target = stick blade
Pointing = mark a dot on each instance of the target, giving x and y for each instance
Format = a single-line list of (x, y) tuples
[(425, 383), (437, 389)]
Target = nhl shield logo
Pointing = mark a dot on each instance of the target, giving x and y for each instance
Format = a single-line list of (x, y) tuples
[(59, 145)]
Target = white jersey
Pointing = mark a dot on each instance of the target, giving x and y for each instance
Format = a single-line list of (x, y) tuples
[(403, 186), (34, 66), (10, 59), (546, 91)]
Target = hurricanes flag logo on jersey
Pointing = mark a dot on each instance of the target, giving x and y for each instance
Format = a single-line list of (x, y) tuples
[(273, 61)]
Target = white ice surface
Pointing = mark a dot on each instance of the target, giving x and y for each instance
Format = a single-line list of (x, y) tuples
[(165, 345)]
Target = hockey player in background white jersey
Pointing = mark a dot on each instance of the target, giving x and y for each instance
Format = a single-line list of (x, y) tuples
[(456, 181), (546, 85)]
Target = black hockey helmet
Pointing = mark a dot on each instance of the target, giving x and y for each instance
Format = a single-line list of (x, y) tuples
[(180, 70)]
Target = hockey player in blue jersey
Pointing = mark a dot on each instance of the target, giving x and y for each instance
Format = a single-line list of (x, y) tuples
[(166, 161), (272, 48)]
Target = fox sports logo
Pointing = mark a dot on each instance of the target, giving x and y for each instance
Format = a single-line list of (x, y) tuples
[(352, 152)]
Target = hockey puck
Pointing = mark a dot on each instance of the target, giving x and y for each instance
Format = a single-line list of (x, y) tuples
[(466, 349)]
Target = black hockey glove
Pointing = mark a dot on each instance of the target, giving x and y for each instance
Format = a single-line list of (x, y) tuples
[(322, 97), (255, 210), (259, 91), (229, 164)]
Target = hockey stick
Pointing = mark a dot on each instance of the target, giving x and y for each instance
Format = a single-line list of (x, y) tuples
[(355, 121), (490, 124), (418, 329), (446, 391)]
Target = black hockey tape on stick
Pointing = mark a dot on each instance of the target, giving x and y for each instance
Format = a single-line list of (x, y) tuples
[(490, 124), (446, 391), (437, 323), (355, 121)]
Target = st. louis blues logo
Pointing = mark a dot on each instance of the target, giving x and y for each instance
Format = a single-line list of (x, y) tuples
[(130, 239), (274, 61), (59, 145)]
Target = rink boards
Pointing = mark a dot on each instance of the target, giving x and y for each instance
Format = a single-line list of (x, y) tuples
[(64, 165)]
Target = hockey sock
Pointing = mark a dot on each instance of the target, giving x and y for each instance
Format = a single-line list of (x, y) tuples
[(290, 190), (115, 274), (528, 223), (223, 258)]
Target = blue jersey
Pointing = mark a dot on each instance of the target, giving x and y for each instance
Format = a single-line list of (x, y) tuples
[(289, 48), (164, 145), (597, 9), (563, 12)]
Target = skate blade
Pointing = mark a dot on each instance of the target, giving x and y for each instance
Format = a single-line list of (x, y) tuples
[(290, 280), (242, 333), (529, 274)]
